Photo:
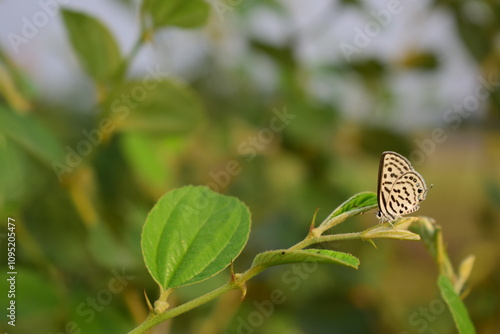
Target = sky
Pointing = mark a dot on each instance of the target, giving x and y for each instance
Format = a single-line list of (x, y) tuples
[(32, 33)]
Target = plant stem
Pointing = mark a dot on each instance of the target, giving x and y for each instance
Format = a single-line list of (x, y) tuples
[(238, 283), (325, 238), (154, 319)]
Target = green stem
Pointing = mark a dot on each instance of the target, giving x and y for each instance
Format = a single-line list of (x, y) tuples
[(310, 240), (154, 319), (237, 283)]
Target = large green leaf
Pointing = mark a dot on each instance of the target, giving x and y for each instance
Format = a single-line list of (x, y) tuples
[(180, 13), (161, 106), (191, 234), (32, 136), (284, 256), (94, 45), (456, 306)]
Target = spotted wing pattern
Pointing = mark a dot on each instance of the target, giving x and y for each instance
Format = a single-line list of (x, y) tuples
[(400, 187)]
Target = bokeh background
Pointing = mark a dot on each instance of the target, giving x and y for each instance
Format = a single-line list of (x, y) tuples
[(355, 77)]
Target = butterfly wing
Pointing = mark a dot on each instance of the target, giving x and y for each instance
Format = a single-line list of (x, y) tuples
[(392, 167), (405, 195)]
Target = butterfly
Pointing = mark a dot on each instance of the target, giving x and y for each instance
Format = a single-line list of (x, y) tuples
[(400, 187)]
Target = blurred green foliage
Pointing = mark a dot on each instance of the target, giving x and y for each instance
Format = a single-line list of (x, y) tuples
[(80, 180)]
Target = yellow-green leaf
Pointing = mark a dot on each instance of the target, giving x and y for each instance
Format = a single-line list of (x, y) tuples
[(396, 231)]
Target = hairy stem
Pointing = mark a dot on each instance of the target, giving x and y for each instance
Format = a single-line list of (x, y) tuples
[(311, 240), (238, 281), (154, 319)]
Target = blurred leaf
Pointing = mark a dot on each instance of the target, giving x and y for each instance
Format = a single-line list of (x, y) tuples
[(370, 69), (456, 306), (420, 60), (33, 311), (13, 173), (94, 45), (356, 3), (432, 236), (167, 107), (150, 158), (102, 241), (492, 190), (284, 256), (82, 190), (464, 272), (180, 13), (475, 37), (21, 81), (283, 55), (297, 135), (9, 90), (191, 234), (95, 316), (375, 140), (32, 136)]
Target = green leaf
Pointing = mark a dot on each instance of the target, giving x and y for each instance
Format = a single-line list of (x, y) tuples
[(152, 159), (32, 136), (180, 13), (456, 306), (364, 200), (355, 205), (160, 107), (283, 256), (94, 45), (102, 241), (191, 234)]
